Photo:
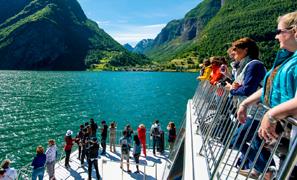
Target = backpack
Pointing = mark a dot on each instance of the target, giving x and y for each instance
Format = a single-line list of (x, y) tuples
[(156, 131), (125, 146)]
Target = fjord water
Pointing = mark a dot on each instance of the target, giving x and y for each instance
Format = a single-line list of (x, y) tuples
[(37, 106)]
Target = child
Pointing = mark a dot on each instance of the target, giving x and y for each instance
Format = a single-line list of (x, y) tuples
[(125, 148), (136, 151)]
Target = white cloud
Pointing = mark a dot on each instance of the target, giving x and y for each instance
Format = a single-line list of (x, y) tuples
[(132, 34)]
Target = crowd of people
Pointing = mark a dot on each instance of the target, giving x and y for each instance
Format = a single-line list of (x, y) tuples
[(248, 81), (87, 141)]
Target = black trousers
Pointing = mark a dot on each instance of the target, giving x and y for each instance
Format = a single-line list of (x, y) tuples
[(79, 151), (68, 152), (90, 163), (83, 155), (103, 144)]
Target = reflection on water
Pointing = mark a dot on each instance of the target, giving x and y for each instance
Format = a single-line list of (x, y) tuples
[(36, 106)]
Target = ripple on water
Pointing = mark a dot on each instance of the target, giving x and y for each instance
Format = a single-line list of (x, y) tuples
[(36, 106)]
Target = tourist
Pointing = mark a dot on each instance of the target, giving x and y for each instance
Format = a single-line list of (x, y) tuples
[(136, 152), (94, 127), (68, 146), (251, 71), (79, 137), (216, 74), (104, 129), (38, 164), (125, 150), (205, 71), (250, 74), (51, 156), (84, 144), (142, 137), (171, 135), (155, 134), (129, 132), (112, 137), (92, 156), (9, 172), (278, 92)]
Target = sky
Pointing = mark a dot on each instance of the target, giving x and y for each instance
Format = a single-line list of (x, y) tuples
[(130, 21)]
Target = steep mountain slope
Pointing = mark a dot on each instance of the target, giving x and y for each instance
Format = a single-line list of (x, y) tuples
[(53, 35), (128, 47), (220, 24), (239, 18), (8, 9), (143, 46), (177, 33)]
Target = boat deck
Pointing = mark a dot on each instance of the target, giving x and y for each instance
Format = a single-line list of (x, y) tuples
[(109, 167)]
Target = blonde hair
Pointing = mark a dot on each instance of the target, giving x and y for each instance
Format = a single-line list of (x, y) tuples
[(39, 149), (141, 126), (289, 19), (5, 163)]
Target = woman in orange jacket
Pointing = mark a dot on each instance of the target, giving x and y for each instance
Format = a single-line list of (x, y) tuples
[(216, 74)]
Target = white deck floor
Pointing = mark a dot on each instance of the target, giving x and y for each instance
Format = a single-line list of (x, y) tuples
[(111, 169)]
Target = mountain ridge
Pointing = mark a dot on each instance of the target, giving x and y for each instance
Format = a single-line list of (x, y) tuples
[(57, 35)]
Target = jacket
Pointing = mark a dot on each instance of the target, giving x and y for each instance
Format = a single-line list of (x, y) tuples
[(285, 81), (68, 143), (141, 133), (51, 153), (216, 74), (251, 77), (206, 74), (39, 161)]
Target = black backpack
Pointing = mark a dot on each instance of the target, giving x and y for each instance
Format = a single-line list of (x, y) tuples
[(125, 147), (156, 131)]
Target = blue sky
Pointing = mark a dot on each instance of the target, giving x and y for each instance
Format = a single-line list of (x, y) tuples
[(129, 21)]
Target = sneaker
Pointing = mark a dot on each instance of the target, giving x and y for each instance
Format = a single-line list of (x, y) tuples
[(129, 171), (254, 174), (136, 172)]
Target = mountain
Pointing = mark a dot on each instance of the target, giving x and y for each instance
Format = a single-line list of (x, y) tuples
[(143, 46), (128, 47), (55, 35), (177, 33), (211, 27)]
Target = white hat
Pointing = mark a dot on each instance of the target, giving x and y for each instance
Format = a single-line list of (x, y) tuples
[(69, 133)]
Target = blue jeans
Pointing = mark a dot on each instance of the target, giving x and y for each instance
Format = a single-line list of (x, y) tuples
[(156, 142), (38, 172), (255, 144)]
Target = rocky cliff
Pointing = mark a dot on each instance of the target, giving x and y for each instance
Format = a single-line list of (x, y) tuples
[(177, 32)]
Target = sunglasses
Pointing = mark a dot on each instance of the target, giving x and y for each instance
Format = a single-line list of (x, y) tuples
[(279, 31)]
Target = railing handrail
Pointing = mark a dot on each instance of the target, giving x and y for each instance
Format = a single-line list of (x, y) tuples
[(130, 163), (203, 100)]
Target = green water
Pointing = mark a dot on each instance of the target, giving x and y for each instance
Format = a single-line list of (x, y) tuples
[(36, 106)]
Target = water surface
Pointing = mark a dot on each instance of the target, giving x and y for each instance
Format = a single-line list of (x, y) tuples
[(36, 106)]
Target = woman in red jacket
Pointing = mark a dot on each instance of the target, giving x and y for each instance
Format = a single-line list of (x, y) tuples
[(142, 137), (67, 148)]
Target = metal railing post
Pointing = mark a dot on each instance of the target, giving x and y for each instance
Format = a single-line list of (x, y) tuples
[(290, 161), (156, 171)]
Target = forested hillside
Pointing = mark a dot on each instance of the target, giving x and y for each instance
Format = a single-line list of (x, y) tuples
[(56, 35), (232, 20)]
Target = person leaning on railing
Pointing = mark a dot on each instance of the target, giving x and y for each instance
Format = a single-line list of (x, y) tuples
[(250, 74), (279, 91), (216, 74), (205, 71)]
